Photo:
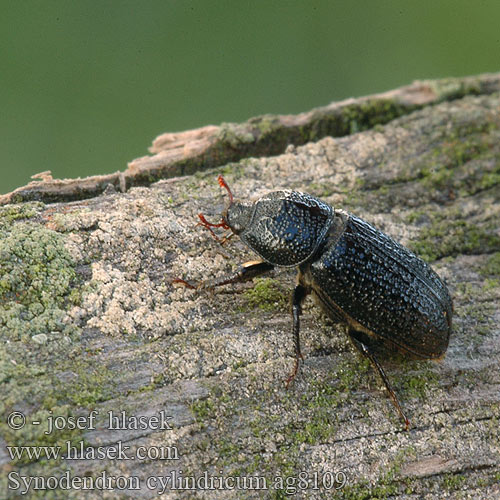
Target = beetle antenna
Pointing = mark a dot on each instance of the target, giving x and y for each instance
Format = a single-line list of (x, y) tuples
[(223, 223), (223, 183), (210, 225)]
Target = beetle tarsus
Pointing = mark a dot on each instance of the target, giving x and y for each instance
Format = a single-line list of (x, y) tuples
[(295, 370), (184, 282), (365, 350), (299, 294)]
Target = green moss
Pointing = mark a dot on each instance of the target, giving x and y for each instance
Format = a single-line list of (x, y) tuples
[(36, 283), (362, 490), (454, 88), (266, 295), (266, 123), (234, 134), (416, 216), (18, 379), (310, 420), (329, 392), (9, 213), (158, 380), (320, 190), (35, 378), (267, 135), (303, 418), (492, 266), (418, 385), (489, 179), (463, 161), (452, 482), (204, 409), (93, 384), (322, 393), (490, 284), (361, 116), (236, 170), (447, 237), (35, 386), (318, 430), (39, 435), (442, 171), (350, 372), (389, 483)]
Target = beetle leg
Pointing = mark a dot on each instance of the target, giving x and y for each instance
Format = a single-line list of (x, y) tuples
[(365, 350), (246, 271), (299, 294)]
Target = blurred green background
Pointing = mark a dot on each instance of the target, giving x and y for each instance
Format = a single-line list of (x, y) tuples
[(86, 85)]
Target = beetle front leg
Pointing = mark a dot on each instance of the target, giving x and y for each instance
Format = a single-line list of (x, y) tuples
[(299, 294), (365, 350), (246, 272)]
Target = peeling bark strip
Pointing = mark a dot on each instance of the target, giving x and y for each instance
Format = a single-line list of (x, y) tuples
[(91, 326), (176, 154)]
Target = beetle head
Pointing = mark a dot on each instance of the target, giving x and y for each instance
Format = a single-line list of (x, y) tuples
[(284, 228)]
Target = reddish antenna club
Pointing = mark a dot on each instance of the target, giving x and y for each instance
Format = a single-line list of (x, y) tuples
[(223, 183), (223, 223)]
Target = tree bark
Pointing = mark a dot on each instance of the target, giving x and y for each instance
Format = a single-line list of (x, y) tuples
[(91, 321)]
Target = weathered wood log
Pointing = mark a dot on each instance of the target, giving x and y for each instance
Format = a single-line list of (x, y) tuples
[(184, 153), (90, 320)]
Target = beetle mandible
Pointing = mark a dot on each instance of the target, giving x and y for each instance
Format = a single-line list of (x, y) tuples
[(360, 276)]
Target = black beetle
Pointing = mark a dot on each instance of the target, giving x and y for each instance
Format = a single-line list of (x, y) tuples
[(361, 277)]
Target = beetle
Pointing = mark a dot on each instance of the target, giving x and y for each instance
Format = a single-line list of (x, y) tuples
[(360, 276)]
